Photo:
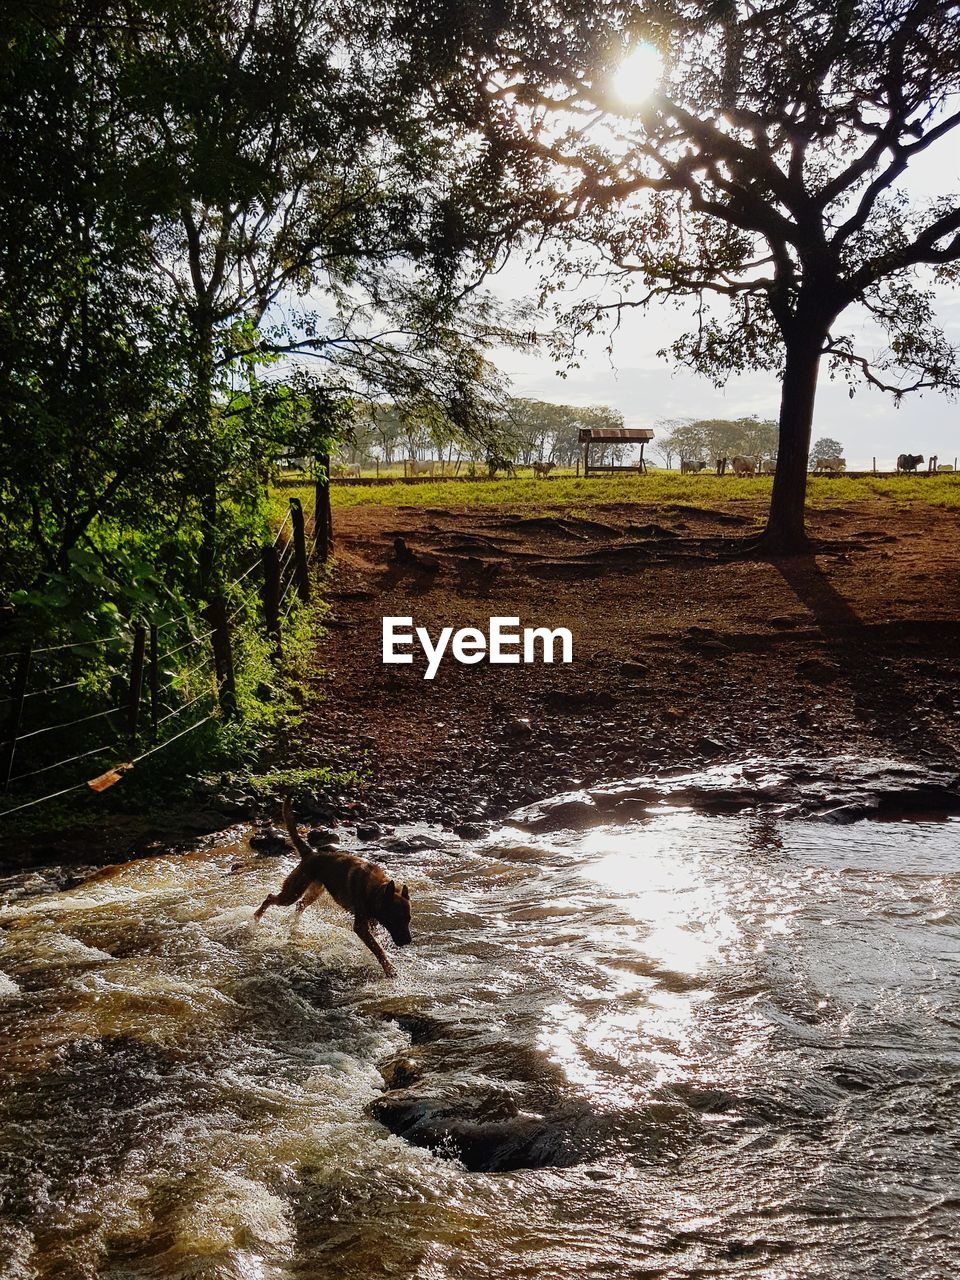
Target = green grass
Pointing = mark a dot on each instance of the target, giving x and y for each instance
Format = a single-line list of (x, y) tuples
[(655, 489)]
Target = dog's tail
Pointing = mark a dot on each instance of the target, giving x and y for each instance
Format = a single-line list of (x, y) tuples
[(299, 843)]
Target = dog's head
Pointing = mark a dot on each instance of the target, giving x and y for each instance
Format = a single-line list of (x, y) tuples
[(394, 913)]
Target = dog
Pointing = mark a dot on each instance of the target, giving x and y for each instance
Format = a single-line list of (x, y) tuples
[(354, 883)]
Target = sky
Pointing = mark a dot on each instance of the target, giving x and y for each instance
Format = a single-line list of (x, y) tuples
[(647, 389)]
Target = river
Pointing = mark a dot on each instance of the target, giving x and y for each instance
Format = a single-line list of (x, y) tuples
[(678, 1045)]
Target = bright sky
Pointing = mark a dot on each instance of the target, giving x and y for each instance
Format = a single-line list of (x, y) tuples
[(646, 389)]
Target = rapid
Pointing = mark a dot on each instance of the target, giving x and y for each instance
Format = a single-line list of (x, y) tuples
[(676, 1041)]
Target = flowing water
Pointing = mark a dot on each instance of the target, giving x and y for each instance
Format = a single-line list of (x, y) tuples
[(680, 1046)]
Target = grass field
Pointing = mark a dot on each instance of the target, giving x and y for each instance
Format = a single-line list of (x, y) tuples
[(656, 489)]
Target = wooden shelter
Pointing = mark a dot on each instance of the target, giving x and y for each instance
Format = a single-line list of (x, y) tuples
[(589, 436)]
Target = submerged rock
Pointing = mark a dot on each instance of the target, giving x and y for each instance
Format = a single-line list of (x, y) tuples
[(835, 789), (269, 842)]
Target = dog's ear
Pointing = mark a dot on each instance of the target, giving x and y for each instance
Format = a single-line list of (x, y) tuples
[(405, 893)]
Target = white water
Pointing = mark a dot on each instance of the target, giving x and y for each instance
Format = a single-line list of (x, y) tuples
[(738, 1047)]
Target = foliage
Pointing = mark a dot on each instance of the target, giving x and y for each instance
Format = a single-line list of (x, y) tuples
[(192, 194), (761, 178), (711, 438), (825, 447)]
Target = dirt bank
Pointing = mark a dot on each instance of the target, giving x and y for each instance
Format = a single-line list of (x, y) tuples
[(682, 653)]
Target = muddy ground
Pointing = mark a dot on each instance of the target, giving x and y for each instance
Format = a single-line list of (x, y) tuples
[(683, 653)]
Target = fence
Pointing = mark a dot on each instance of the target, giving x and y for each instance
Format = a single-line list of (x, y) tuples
[(152, 675)]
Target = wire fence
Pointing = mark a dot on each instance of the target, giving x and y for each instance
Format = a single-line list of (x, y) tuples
[(147, 685)]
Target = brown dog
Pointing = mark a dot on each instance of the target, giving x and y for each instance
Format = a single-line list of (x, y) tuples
[(357, 885)]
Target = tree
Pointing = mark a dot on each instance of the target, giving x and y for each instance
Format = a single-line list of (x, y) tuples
[(825, 448), (711, 438), (191, 194), (763, 178)]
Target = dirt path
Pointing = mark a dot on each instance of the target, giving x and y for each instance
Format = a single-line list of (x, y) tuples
[(680, 655)]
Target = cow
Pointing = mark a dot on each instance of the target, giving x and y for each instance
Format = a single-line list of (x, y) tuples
[(418, 468), (834, 465), (769, 466), (944, 467), (694, 468), (909, 461), (542, 469), (744, 466), (352, 469)]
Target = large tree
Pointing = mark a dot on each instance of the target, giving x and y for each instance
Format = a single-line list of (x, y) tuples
[(764, 176)]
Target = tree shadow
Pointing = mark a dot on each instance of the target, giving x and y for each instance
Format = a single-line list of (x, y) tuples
[(872, 657)]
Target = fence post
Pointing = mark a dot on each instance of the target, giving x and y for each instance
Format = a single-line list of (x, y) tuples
[(136, 681), (322, 518), (270, 595), (16, 711), (216, 615), (300, 550), (154, 678)]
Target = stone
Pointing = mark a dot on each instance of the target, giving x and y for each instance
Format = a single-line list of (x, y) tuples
[(818, 670), (269, 842), (519, 727)]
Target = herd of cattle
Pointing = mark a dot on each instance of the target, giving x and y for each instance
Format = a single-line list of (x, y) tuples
[(753, 465), (740, 465)]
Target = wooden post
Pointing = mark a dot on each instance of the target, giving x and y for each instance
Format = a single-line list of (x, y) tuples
[(874, 466), (586, 459), (270, 595), (154, 678), (301, 571), (136, 681), (216, 614), (322, 522), (328, 510), (16, 711)]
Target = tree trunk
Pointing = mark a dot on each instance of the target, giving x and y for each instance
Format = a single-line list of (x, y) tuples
[(785, 533)]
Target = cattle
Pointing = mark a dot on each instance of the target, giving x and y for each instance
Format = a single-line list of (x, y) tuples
[(352, 469), (542, 469), (944, 467), (768, 466), (694, 468), (744, 466), (909, 461), (834, 465), (417, 468)]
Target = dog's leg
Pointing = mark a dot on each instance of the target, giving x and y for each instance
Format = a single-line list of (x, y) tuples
[(292, 888), (313, 892), (361, 927)]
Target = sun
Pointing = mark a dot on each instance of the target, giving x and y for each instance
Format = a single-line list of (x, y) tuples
[(638, 75)]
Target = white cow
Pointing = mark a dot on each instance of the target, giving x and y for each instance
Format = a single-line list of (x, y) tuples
[(769, 466), (418, 468), (944, 466), (744, 466), (834, 465), (542, 469)]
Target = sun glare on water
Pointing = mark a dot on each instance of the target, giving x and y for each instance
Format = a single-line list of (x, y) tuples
[(638, 75)]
